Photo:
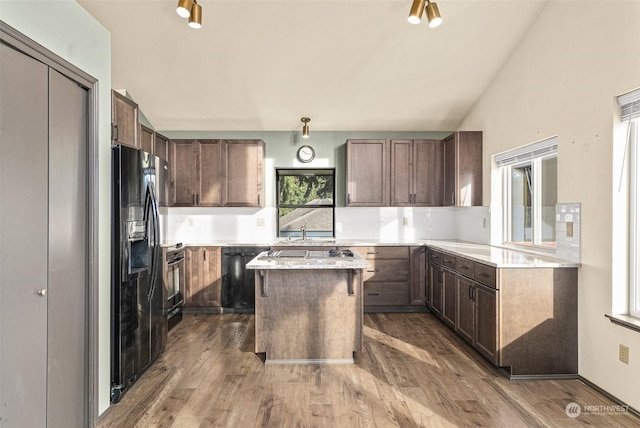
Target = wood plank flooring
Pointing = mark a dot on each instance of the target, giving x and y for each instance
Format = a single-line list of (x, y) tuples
[(412, 372)]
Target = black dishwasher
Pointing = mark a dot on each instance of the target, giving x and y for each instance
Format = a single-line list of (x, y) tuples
[(238, 283)]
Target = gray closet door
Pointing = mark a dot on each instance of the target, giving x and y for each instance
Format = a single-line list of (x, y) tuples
[(43, 245), (68, 264), (23, 239)]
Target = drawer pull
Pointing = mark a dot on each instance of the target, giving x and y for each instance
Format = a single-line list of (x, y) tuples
[(373, 294), (374, 271), (484, 275), (464, 267), (372, 252), (447, 261)]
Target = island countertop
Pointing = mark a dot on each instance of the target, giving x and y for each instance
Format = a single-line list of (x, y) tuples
[(309, 260)]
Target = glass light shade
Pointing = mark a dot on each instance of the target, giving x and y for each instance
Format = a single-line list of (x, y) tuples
[(416, 11), (433, 15), (305, 131), (195, 20), (184, 8)]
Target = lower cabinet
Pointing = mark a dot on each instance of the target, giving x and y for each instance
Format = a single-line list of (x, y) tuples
[(203, 277), (522, 319)]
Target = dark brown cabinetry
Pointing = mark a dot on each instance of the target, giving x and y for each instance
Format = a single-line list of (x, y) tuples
[(243, 173), (212, 173), (367, 173), (202, 277), (386, 282), (462, 184), (414, 165), (147, 137), (161, 146), (521, 319), (124, 121), (196, 166), (418, 282)]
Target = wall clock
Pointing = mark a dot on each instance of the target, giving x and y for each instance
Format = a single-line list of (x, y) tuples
[(306, 154)]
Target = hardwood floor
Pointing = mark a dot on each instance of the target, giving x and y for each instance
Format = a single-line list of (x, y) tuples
[(412, 371)]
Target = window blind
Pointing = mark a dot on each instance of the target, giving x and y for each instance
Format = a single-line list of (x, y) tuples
[(530, 151), (629, 105)]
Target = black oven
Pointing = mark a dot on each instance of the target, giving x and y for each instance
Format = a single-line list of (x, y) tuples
[(174, 279)]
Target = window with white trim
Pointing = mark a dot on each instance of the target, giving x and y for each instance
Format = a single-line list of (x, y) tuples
[(630, 114), (529, 177)]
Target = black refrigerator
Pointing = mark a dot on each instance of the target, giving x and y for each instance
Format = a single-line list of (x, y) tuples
[(138, 327)]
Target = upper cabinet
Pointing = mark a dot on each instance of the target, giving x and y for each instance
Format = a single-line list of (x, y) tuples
[(462, 185), (367, 173), (243, 173), (196, 169), (161, 146), (213, 173), (124, 121), (147, 137), (415, 166)]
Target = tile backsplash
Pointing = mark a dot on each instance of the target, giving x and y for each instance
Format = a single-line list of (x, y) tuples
[(201, 225)]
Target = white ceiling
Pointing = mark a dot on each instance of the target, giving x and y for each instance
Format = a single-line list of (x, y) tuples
[(350, 65)]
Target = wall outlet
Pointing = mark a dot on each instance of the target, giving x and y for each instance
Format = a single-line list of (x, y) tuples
[(190, 222), (260, 222), (569, 229), (484, 223), (624, 354), (405, 221)]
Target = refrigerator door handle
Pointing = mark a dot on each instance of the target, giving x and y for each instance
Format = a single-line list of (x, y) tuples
[(151, 207)]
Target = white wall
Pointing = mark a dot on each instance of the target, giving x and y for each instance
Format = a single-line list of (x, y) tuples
[(562, 80), (66, 29)]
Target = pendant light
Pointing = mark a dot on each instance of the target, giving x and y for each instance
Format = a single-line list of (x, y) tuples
[(184, 8), (433, 15), (195, 19), (305, 127), (416, 11)]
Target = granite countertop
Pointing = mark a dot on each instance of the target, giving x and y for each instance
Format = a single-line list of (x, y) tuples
[(495, 256), (313, 260)]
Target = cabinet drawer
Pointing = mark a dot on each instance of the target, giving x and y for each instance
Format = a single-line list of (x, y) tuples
[(386, 293), (435, 257), (382, 252), (465, 267), (449, 261), (485, 274), (387, 270)]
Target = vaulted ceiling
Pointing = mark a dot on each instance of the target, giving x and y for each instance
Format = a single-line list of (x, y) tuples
[(350, 65)]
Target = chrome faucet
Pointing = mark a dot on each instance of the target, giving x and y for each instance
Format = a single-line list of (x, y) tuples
[(303, 228)]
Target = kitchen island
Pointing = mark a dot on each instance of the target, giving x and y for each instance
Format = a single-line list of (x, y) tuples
[(308, 306)]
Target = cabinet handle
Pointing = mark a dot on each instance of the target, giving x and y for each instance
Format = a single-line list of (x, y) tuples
[(374, 270), (453, 197), (464, 267), (439, 276), (114, 131), (204, 254), (372, 252), (352, 275), (470, 293), (198, 198), (263, 284), (473, 293), (484, 275), (194, 198), (447, 261), (373, 294), (258, 198), (348, 198)]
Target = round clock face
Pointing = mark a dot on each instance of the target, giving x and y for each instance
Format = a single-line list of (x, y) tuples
[(306, 154)]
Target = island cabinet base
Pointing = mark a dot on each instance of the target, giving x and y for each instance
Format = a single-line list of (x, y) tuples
[(311, 316)]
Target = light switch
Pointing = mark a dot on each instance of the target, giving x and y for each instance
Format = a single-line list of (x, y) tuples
[(569, 229)]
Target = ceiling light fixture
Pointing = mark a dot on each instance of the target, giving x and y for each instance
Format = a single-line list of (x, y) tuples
[(416, 11), (184, 8), (305, 127), (433, 15), (195, 20)]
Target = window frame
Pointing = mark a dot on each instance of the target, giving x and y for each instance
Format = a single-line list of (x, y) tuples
[(522, 156), (305, 172), (634, 218)]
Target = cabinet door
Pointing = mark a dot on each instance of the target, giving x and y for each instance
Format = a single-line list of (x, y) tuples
[(367, 173), (424, 170), (486, 331), (193, 265), (243, 173), (449, 185), (124, 115), (468, 179), (436, 280), (210, 169), (183, 172), (402, 173), (147, 136), (161, 147), (465, 314), (449, 298), (418, 281), (210, 293)]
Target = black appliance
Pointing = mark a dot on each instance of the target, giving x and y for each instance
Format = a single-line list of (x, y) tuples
[(174, 280), (238, 283), (138, 325)]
